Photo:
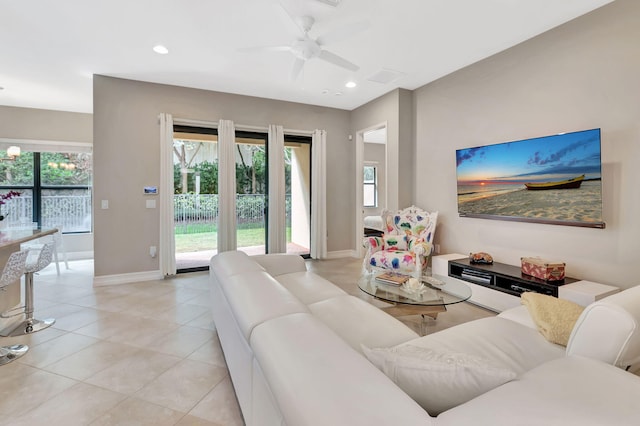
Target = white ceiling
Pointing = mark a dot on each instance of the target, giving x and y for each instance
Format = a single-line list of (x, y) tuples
[(49, 50)]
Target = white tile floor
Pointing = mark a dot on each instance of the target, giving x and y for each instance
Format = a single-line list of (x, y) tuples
[(137, 354)]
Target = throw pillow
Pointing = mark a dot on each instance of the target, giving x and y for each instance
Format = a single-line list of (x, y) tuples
[(435, 379), (554, 317), (395, 242)]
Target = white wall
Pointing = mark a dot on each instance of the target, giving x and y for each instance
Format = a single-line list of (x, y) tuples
[(582, 75)]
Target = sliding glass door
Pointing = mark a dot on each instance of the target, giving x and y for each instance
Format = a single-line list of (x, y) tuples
[(195, 179), (196, 200), (251, 192)]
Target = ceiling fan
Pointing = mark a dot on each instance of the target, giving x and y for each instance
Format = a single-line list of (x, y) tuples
[(305, 47)]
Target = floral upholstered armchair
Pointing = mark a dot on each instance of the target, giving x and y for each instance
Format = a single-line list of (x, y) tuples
[(406, 244)]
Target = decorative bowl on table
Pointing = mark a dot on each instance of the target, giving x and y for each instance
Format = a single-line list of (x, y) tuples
[(412, 285)]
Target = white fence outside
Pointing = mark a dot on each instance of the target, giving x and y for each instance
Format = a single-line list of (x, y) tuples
[(70, 212), (73, 212)]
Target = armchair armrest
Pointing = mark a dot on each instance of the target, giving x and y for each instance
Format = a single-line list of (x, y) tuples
[(373, 244), (420, 247)]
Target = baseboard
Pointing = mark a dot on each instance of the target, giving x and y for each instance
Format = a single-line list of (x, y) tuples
[(341, 254), (134, 277)]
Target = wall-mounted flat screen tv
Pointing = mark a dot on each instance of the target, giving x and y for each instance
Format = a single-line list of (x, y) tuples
[(553, 179)]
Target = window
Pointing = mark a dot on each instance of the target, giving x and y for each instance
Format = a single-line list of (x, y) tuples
[(370, 190), (55, 189)]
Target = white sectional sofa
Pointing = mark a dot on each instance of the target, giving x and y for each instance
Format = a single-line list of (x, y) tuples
[(295, 346)]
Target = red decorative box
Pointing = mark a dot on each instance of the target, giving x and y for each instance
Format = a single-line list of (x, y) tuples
[(543, 269)]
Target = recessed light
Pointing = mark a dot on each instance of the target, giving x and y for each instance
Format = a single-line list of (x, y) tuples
[(338, 93), (160, 49), (350, 84), (325, 91)]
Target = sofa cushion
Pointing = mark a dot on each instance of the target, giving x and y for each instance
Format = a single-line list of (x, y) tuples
[(317, 379), (309, 287), (278, 264), (359, 322), (230, 263), (438, 380), (519, 314), (566, 391), (553, 317), (508, 344), (255, 297)]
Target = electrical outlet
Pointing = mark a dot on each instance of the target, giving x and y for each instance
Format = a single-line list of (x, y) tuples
[(437, 248), (152, 251)]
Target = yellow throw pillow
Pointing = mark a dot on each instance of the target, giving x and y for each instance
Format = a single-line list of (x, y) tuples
[(554, 317)]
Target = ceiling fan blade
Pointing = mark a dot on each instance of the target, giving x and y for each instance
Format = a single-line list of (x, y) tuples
[(297, 68), (264, 49), (343, 33), (325, 55), (290, 18)]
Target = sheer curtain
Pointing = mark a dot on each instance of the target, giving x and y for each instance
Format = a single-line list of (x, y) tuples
[(318, 195), (276, 233), (167, 244), (227, 239)]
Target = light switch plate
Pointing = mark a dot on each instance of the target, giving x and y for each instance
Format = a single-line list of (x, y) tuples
[(151, 204), (104, 204)]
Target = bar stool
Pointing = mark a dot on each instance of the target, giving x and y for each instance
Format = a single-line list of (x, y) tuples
[(58, 246), (37, 260), (13, 270)]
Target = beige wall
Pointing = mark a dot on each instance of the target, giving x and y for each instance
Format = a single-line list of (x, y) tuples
[(406, 149), (48, 125), (582, 75), (394, 108), (127, 157), (41, 124)]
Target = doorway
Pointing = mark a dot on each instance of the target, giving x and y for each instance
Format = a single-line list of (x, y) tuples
[(371, 180), (195, 199), (297, 160), (252, 163), (196, 196)]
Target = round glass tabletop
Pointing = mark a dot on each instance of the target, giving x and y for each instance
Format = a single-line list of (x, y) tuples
[(438, 290)]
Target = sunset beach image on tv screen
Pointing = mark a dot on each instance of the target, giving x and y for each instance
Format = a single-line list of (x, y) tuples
[(555, 179)]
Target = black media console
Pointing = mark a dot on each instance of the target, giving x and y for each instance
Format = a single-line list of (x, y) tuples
[(505, 278)]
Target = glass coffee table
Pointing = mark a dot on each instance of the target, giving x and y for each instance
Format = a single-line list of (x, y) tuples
[(431, 299)]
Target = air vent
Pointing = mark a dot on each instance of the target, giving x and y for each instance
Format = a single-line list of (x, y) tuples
[(385, 76)]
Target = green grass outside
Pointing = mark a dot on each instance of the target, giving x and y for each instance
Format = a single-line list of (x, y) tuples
[(186, 243)]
